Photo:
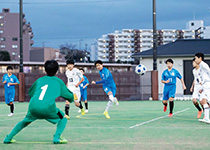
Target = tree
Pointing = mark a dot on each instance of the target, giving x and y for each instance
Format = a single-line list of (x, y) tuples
[(71, 53), (4, 56)]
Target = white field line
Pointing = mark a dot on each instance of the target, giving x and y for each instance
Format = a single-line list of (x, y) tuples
[(140, 124)]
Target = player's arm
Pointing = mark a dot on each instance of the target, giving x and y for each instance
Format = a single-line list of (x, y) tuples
[(3, 80), (16, 81), (79, 74), (192, 86), (181, 79), (87, 83), (82, 79), (163, 80)]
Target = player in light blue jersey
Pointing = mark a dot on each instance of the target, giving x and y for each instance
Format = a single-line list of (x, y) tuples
[(83, 90), (9, 81), (169, 79), (109, 86)]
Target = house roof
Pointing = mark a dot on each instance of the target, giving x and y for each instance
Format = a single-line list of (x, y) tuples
[(179, 48)]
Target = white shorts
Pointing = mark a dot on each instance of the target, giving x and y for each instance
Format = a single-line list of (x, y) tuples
[(205, 94), (196, 93), (76, 92)]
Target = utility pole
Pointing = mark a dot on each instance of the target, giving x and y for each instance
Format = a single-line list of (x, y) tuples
[(154, 37), (21, 34)]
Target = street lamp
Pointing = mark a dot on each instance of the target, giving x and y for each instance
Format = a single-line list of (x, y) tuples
[(154, 37)]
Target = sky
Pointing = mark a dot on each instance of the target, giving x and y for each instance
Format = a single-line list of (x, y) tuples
[(82, 22)]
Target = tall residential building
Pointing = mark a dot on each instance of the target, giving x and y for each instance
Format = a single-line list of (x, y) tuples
[(120, 45), (9, 35)]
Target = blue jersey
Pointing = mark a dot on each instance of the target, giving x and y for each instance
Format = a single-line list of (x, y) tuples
[(84, 83), (107, 77), (10, 79), (171, 76)]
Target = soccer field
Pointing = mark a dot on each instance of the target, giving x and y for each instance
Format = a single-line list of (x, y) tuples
[(133, 125)]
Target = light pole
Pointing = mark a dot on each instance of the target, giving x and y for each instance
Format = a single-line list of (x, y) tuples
[(21, 35), (154, 37)]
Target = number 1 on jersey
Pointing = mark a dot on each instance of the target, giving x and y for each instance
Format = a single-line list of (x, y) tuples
[(44, 89)]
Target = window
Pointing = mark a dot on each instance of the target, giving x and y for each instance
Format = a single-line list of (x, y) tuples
[(1, 24), (14, 39), (192, 24), (14, 46), (1, 17), (2, 46), (1, 31), (3, 39)]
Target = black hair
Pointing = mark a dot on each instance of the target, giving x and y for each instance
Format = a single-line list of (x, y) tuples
[(193, 59), (9, 68), (70, 61), (98, 62), (51, 67), (169, 60), (200, 55), (82, 69)]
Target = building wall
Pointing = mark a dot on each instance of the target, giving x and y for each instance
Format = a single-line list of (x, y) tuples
[(9, 35), (37, 55)]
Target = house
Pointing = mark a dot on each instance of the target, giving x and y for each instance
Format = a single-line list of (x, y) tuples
[(182, 52)]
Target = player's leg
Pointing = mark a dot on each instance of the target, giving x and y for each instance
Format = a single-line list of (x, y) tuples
[(61, 120), (196, 104), (206, 111), (26, 121), (165, 98), (77, 96), (67, 108), (84, 97), (113, 89), (171, 106), (110, 102)]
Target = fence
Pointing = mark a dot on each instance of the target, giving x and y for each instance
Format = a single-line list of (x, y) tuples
[(129, 86)]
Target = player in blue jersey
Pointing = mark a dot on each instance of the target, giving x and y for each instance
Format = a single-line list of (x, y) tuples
[(169, 79), (9, 81), (109, 86), (83, 90)]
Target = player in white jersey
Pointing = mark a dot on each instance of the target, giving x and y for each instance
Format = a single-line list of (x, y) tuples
[(73, 81), (204, 74), (196, 87)]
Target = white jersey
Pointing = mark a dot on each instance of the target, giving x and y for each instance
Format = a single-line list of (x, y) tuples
[(197, 85), (204, 73), (73, 78)]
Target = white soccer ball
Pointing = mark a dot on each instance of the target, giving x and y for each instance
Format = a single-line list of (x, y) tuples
[(140, 69)]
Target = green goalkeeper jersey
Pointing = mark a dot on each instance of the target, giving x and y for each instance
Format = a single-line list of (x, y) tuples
[(43, 93)]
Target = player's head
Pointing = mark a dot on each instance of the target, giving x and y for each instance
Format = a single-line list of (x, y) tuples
[(99, 65), (70, 64), (169, 62), (51, 67), (82, 70), (9, 69), (199, 57)]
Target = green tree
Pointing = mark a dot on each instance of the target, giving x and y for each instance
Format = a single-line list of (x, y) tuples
[(4, 56)]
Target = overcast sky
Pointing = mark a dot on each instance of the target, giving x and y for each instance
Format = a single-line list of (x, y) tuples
[(56, 22)]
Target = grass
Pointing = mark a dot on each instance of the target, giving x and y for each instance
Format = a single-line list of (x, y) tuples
[(93, 131)]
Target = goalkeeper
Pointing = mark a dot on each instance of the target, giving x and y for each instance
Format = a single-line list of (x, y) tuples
[(42, 105)]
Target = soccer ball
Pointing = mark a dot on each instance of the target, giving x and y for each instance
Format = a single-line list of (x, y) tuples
[(140, 69)]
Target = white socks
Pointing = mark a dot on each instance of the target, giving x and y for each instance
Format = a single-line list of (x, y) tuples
[(206, 111)]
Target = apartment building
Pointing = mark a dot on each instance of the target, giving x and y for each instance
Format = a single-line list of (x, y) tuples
[(9, 35)]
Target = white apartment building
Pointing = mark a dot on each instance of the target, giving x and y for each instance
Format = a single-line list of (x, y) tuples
[(120, 45)]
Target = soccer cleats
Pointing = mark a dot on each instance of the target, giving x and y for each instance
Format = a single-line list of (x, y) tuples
[(116, 101), (8, 140), (10, 115), (199, 114), (204, 120), (60, 141), (164, 108), (106, 115), (67, 116), (170, 115), (79, 111), (82, 111), (86, 111)]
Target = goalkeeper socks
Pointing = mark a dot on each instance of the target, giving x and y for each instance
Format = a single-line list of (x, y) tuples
[(60, 127), (67, 107), (12, 108), (197, 106), (171, 104), (86, 106)]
